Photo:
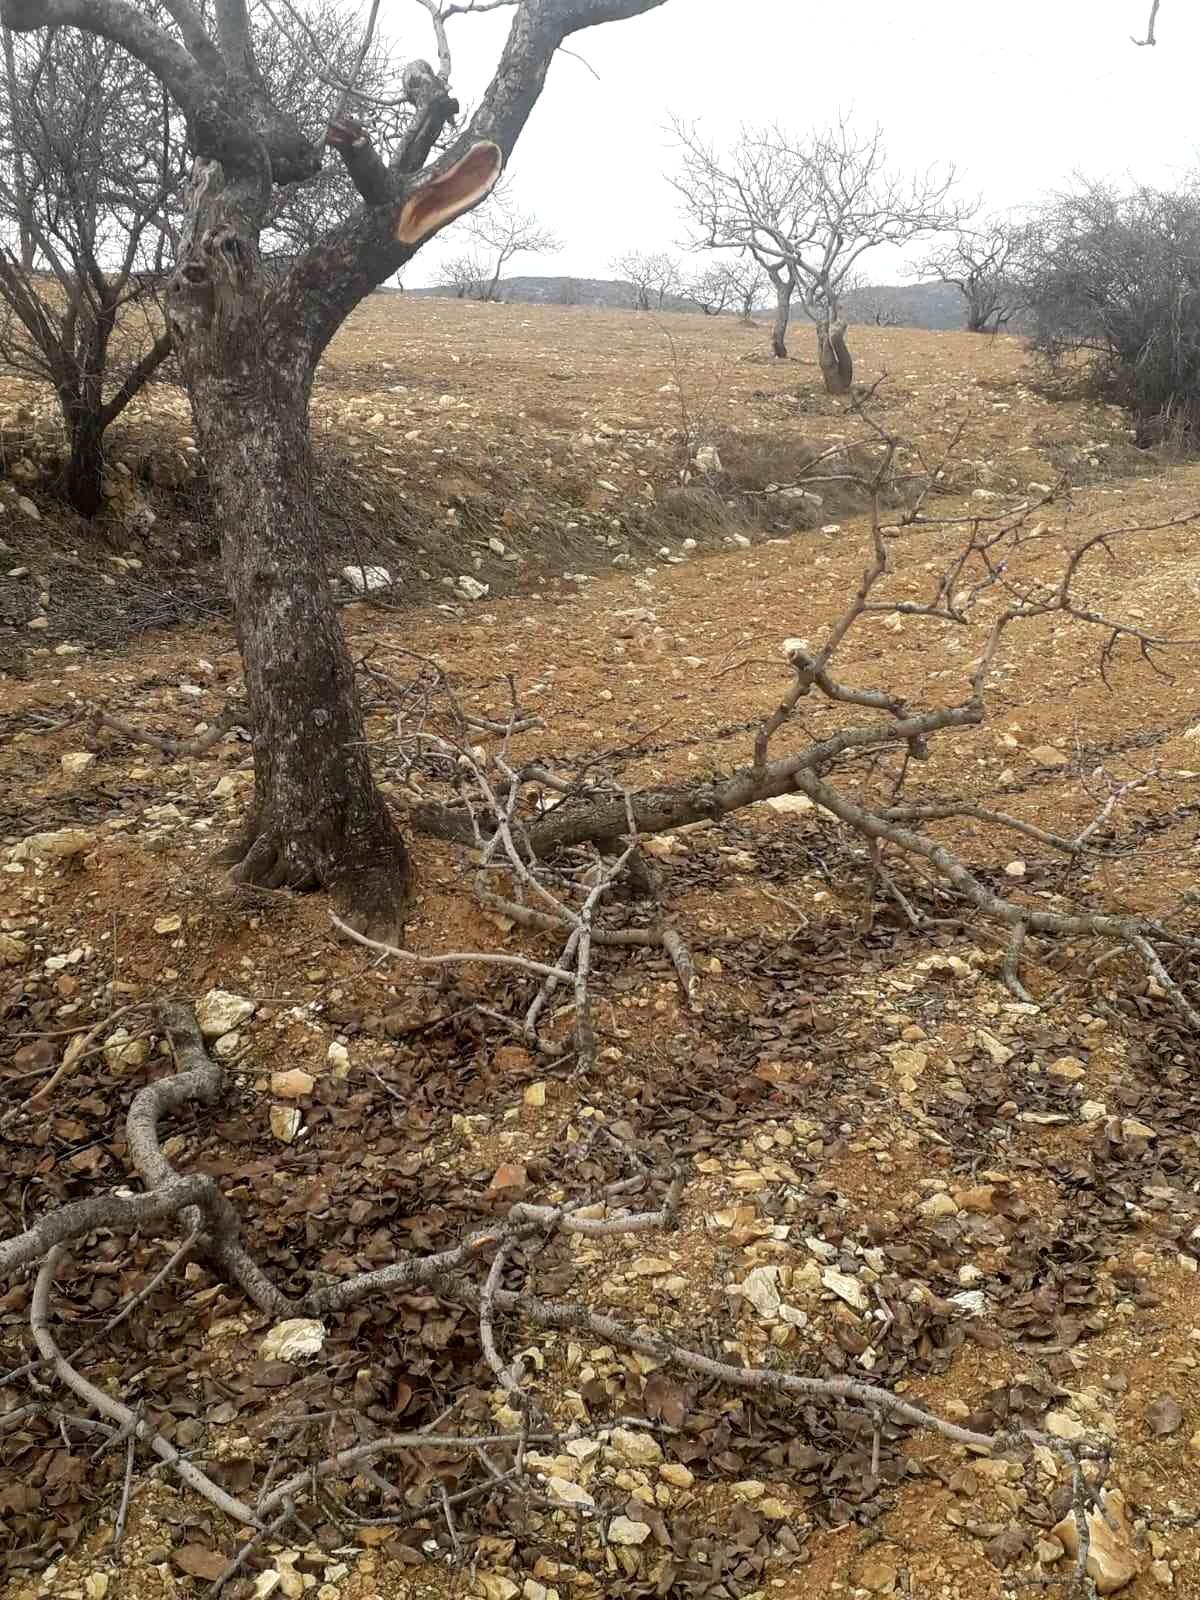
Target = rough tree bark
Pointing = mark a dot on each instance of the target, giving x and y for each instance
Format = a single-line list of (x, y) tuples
[(783, 311), (833, 356)]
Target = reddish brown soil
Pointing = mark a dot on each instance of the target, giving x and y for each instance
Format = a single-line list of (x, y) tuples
[(831, 1074)]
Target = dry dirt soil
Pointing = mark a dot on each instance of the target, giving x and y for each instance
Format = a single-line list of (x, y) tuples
[(847, 1091)]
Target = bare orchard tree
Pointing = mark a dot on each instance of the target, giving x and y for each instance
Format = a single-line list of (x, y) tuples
[(89, 207), (726, 284), (464, 275), (808, 209), (652, 276), (248, 342), (498, 232), (84, 197), (983, 265)]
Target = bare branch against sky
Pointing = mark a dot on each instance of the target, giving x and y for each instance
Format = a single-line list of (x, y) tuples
[(1017, 109)]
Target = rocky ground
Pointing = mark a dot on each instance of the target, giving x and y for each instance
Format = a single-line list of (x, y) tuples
[(894, 1170)]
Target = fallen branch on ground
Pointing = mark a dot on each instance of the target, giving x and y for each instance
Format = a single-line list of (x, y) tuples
[(235, 714), (447, 1272)]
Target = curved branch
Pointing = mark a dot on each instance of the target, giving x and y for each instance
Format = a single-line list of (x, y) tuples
[(130, 28)]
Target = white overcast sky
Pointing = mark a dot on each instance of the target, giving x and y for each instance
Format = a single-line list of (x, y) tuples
[(1019, 94)]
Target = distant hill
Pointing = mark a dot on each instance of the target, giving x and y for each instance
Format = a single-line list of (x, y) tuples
[(907, 305), (911, 305), (567, 291)]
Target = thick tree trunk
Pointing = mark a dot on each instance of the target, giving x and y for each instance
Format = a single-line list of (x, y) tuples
[(783, 310), (84, 470), (317, 819), (837, 368)]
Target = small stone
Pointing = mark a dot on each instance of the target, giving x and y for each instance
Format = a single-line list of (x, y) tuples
[(219, 1012), (676, 1474), (165, 925), (285, 1123), (227, 1046), (365, 580), (651, 1267), (122, 1053), (95, 1585), (163, 816), (12, 950), (790, 802), (266, 1584), (292, 1085), (508, 1176), (1014, 869), (980, 1200), (938, 1205), (1045, 755), (291, 1584), (972, 1301), (26, 506), (761, 1288), (636, 1448), (565, 1493), (1049, 1551), (1111, 1561), (845, 1287), (534, 1095), (471, 588), (707, 459), (1133, 1129), (750, 1489), (1000, 1053), (583, 1449), (59, 845), (622, 1531), (1069, 1068), (294, 1339), (493, 1586), (75, 762), (773, 1509), (1093, 1110), (1064, 1426), (338, 1057), (1161, 1572)]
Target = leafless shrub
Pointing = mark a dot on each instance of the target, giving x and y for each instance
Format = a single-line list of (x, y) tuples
[(983, 264), (1113, 286)]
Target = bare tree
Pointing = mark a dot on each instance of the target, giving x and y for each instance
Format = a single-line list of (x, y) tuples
[(498, 231), (808, 210), (89, 207), (94, 160), (726, 283), (653, 276), (982, 264), (465, 275), (248, 341)]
